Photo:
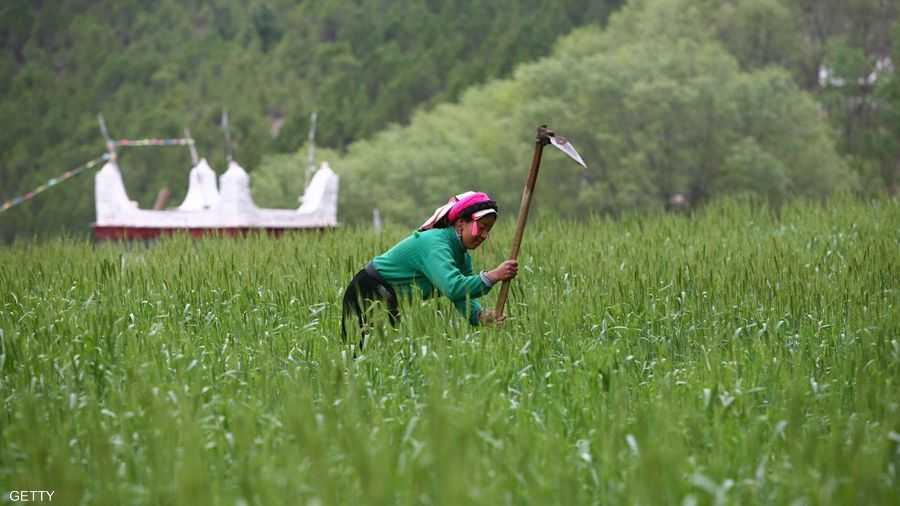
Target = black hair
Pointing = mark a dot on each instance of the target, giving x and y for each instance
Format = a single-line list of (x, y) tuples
[(467, 212)]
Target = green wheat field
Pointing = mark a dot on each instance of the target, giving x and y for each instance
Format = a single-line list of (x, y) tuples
[(736, 356)]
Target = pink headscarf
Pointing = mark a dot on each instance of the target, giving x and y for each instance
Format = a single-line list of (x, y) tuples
[(452, 209)]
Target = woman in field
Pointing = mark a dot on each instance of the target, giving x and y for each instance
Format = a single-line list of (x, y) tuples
[(433, 260)]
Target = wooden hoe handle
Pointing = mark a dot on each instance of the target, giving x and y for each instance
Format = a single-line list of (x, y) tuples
[(543, 138)]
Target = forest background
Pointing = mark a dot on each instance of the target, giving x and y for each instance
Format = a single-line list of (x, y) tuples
[(667, 100)]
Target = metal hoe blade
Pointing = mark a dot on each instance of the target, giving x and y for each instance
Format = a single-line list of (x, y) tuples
[(563, 144)]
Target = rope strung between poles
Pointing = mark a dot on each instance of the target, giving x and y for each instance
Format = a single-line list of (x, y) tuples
[(155, 142), (187, 141), (52, 182)]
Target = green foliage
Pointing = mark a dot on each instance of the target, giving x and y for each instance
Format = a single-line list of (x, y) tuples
[(654, 122), (267, 26), (281, 178), (850, 39), (749, 168), (761, 33), (155, 68), (732, 357), (886, 142), (654, 104)]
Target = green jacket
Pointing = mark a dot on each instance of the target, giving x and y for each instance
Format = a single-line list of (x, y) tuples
[(434, 259)]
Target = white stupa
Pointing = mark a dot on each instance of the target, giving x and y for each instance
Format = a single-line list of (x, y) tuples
[(227, 208)]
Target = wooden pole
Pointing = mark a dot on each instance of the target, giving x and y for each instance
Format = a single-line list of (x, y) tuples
[(543, 138), (311, 154), (110, 144), (194, 156), (161, 198), (227, 129)]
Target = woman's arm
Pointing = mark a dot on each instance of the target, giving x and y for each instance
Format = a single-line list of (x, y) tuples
[(455, 280), (449, 278)]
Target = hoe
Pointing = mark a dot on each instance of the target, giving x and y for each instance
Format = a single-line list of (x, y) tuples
[(544, 136)]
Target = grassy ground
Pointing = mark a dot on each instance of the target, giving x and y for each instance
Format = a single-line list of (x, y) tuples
[(734, 357)]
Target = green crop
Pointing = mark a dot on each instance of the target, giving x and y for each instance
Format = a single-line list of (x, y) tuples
[(736, 356)]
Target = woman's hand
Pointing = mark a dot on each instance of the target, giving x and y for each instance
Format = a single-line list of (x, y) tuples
[(490, 317), (504, 272)]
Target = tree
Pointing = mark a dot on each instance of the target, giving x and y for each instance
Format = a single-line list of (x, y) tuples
[(656, 105), (362, 65), (887, 137)]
